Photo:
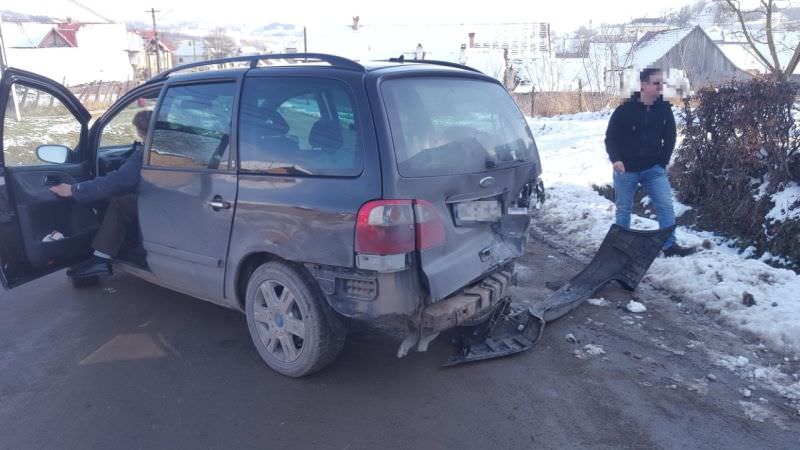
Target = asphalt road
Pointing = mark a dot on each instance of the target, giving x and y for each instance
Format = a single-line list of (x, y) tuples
[(130, 365)]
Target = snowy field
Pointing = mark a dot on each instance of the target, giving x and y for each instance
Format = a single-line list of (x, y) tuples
[(722, 280)]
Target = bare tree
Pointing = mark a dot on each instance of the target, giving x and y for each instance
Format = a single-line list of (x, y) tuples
[(681, 17), (773, 62), (220, 45)]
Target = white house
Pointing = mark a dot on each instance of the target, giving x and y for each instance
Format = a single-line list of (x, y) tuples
[(484, 46), (70, 53)]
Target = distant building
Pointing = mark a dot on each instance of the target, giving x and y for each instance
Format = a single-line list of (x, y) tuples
[(189, 50), (521, 40), (743, 56), (69, 52), (150, 54), (606, 64), (637, 28), (688, 50), (363, 41)]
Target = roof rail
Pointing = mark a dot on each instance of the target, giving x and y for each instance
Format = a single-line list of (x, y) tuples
[(336, 61), (434, 62)]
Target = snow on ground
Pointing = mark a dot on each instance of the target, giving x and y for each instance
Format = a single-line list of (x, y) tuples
[(784, 384), (782, 201), (573, 159)]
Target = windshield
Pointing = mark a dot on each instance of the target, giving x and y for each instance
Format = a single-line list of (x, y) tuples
[(447, 126)]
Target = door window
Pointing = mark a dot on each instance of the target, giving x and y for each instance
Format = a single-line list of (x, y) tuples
[(34, 118), (119, 131), (299, 126), (193, 127)]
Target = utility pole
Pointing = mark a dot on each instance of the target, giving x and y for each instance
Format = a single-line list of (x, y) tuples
[(155, 43), (3, 61), (3, 66)]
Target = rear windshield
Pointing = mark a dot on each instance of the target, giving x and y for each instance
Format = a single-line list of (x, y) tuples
[(447, 126)]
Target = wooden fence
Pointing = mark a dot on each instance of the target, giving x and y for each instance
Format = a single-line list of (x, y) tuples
[(554, 103), (101, 94)]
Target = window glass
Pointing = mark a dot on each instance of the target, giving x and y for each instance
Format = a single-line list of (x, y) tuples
[(299, 126), (34, 118), (120, 131), (446, 126), (193, 127), (301, 113)]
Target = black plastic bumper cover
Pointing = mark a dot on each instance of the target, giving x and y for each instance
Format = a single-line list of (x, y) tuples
[(624, 256)]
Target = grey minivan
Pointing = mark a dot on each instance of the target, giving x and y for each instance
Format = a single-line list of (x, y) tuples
[(300, 189)]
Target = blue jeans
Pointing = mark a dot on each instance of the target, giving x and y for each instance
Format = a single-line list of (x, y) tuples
[(655, 182)]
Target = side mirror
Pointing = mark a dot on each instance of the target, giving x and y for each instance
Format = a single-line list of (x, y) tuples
[(56, 154)]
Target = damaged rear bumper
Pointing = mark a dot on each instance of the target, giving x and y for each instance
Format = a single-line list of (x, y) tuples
[(469, 306), (624, 256)]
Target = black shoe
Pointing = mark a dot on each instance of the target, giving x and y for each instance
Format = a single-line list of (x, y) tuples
[(677, 250), (92, 267)]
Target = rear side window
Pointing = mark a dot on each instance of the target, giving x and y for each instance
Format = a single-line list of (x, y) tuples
[(193, 127), (446, 126), (299, 126)]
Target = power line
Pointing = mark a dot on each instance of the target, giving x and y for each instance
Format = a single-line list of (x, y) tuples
[(80, 5)]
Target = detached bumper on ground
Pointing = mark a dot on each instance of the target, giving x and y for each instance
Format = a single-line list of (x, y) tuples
[(624, 256)]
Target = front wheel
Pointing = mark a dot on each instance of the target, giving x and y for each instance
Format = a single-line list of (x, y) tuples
[(293, 328)]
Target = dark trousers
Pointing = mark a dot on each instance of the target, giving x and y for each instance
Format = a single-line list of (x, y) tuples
[(122, 211)]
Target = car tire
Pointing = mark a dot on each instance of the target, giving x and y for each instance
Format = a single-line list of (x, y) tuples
[(84, 282), (292, 327)]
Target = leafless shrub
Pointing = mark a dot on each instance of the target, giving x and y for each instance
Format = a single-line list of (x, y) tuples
[(740, 146)]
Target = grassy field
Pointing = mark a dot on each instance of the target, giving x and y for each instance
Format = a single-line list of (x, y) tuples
[(55, 126)]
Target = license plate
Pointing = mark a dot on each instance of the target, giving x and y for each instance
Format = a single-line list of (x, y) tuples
[(479, 211)]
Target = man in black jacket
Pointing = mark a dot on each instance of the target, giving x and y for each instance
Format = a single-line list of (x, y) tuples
[(639, 141), (120, 186)]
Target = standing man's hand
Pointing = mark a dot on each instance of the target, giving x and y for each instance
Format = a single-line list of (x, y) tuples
[(619, 167), (62, 190)]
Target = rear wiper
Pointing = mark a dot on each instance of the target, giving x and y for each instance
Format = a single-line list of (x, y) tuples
[(494, 164)]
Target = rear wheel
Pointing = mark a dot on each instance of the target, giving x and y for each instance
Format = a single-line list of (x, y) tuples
[(293, 328)]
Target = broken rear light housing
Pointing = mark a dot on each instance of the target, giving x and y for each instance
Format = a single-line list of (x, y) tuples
[(387, 230)]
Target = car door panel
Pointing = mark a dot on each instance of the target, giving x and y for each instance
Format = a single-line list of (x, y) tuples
[(187, 239), (40, 212), (188, 191), (28, 210)]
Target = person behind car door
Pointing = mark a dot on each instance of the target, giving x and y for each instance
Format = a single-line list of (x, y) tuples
[(120, 186), (639, 141)]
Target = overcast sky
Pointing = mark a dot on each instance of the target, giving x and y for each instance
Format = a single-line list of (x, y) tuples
[(563, 15)]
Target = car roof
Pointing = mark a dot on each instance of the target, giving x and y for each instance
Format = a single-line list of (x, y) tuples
[(310, 61)]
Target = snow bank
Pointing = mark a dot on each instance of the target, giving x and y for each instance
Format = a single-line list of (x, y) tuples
[(573, 159), (725, 284)]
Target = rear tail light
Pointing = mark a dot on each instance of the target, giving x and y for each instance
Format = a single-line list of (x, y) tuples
[(429, 226), (389, 229), (385, 227)]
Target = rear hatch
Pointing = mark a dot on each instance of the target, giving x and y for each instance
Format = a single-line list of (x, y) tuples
[(462, 145)]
